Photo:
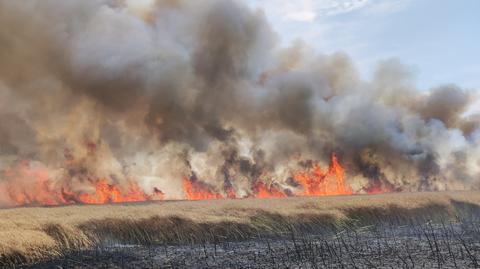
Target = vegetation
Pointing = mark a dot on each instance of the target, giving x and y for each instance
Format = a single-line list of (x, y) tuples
[(336, 231)]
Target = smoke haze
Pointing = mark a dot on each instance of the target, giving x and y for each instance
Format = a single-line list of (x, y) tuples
[(202, 90)]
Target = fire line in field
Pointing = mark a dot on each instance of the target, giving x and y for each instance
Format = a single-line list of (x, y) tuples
[(139, 100), (313, 181)]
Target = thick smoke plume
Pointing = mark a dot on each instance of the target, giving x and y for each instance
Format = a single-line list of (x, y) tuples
[(147, 97)]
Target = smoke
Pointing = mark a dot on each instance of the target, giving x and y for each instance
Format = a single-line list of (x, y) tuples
[(201, 89)]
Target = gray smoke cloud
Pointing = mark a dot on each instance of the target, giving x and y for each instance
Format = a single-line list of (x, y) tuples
[(202, 89)]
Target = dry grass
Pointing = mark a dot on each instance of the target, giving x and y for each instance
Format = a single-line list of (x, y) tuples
[(33, 234)]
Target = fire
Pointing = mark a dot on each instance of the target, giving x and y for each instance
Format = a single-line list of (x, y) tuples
[(29, 183), (108, 193), (261, 190), (378, 186), (317, 182), (230, 192), (195, 190)]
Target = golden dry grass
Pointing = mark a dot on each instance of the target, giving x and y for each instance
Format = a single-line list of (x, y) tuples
[(37, 233)]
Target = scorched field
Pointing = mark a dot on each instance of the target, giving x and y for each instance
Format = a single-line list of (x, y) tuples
[(407, 230)]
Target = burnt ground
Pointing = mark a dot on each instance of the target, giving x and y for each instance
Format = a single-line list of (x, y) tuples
[(426, 245)]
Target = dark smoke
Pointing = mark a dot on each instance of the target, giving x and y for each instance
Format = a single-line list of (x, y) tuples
[(100, 89)]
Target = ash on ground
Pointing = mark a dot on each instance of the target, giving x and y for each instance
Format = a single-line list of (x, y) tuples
[(427, 245)]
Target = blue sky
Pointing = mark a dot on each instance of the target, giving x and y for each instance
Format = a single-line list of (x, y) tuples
[(439, 40)]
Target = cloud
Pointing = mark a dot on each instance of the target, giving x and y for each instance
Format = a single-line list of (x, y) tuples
[(334, 7), (308, 10), (388, 7), (302, 16)]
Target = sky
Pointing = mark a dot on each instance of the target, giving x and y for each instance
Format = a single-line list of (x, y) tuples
[(439, 40)]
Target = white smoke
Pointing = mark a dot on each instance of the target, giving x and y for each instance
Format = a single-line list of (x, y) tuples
[(167, 89)]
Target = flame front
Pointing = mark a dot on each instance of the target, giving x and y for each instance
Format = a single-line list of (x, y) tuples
[(107, 193), (261, 190), (318, 183), (33, 187), (167, 100), (195, 190), (36, 192), (30, 185)]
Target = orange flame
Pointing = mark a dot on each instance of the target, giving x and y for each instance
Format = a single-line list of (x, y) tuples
[(28, 184), (261, 190), (194, 190), (318, 183), (108, 193), (25, 184), (378, 186), (230, 193)]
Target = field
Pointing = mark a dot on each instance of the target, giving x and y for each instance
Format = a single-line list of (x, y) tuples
[(409, 230)]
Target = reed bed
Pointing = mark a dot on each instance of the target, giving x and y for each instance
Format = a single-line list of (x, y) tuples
[(35, 234)]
